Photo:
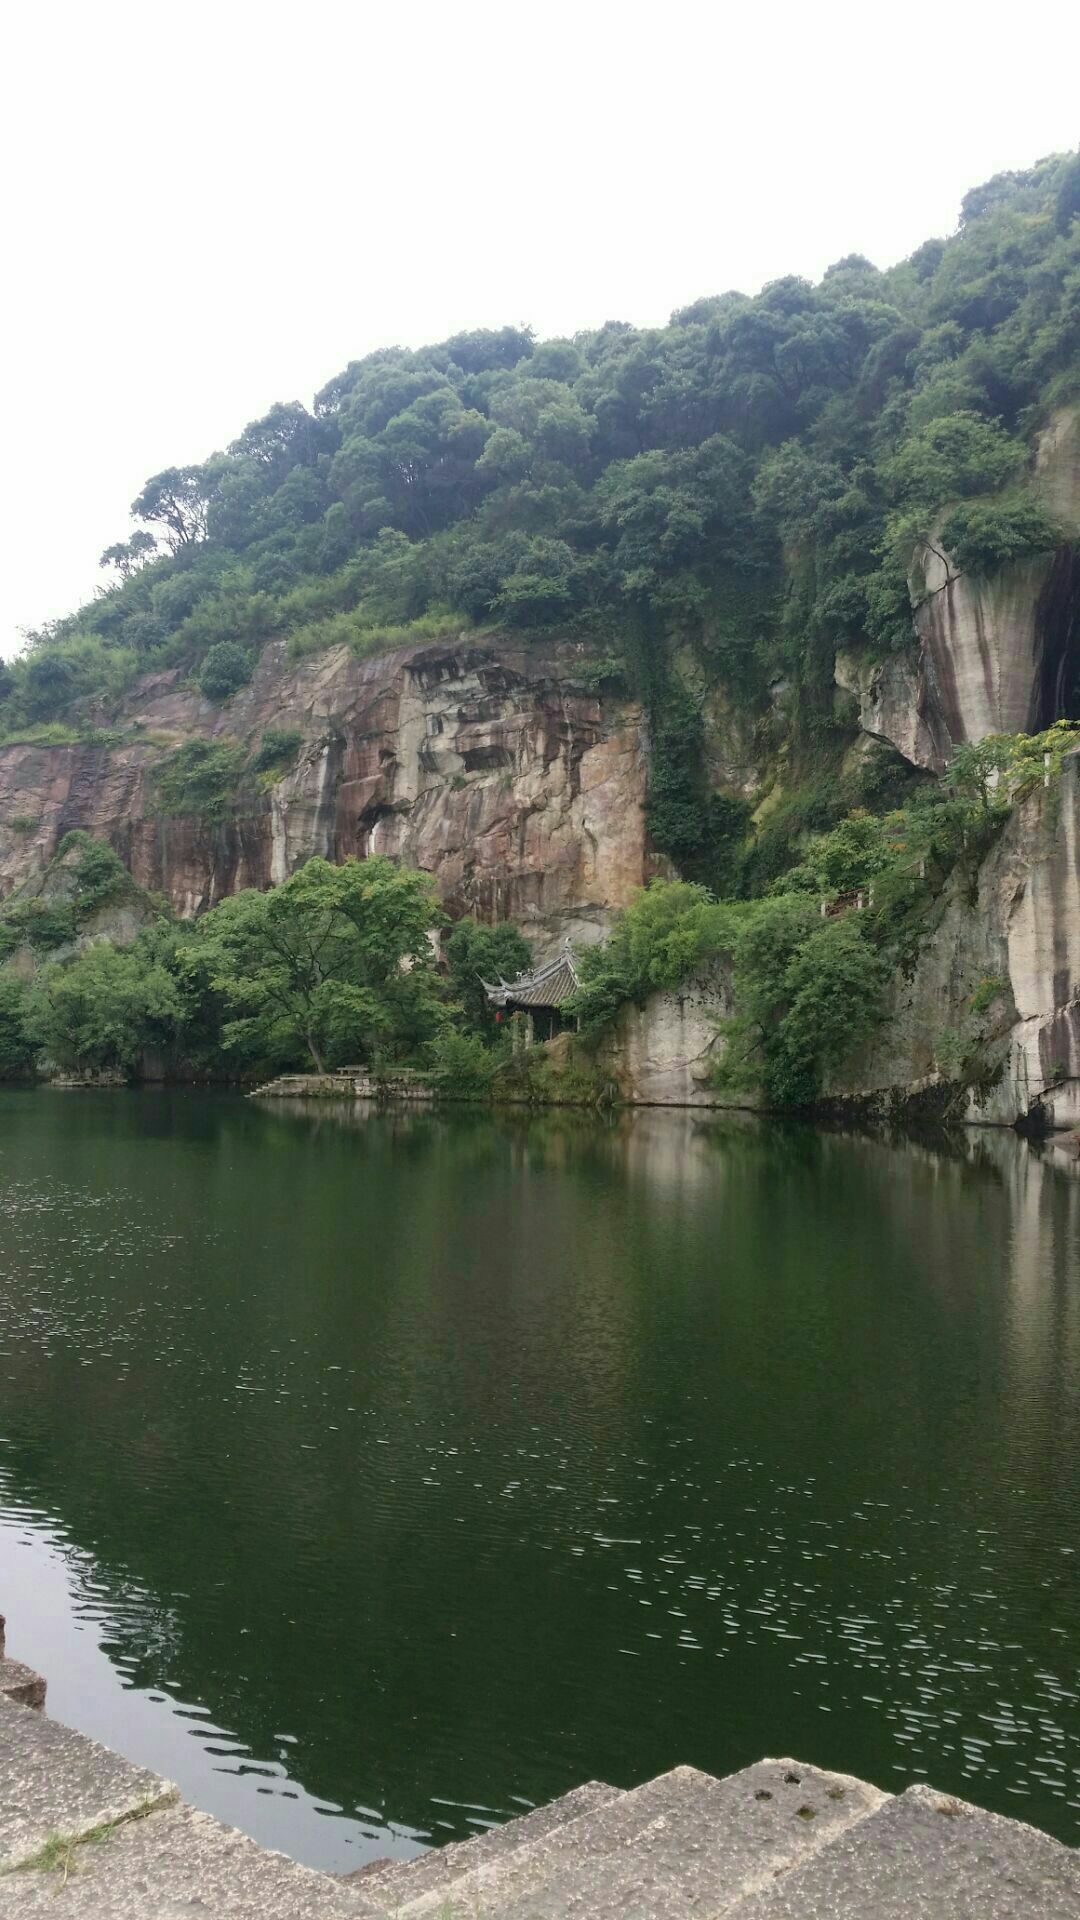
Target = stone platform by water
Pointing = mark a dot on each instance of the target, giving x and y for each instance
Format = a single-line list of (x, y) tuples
[(84, 1835)]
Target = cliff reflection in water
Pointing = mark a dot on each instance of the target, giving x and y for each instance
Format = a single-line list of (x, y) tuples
[(423, 1464)]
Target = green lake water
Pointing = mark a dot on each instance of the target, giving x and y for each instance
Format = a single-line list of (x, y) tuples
[(377, 1476)]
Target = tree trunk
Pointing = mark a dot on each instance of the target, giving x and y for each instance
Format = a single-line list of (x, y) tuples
[(314, 1052)]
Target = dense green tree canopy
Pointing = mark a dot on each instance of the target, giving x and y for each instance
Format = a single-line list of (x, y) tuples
[(336, 961), (787, 445)]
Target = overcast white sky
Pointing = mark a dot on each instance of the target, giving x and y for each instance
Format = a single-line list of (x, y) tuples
[(213, 206)]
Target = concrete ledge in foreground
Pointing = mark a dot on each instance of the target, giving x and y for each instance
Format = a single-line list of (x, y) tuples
[(84, 1835)]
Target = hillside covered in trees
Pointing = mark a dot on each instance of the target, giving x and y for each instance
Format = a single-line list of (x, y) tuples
[(688, 529), (745, 485)]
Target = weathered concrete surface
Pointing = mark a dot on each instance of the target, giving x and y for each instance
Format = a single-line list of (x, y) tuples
[(778, 1841), (53, 1780), (926, 1857), (175, 1864), (685, 1843), (346, 1086), (392, 1881), (21, 1685), (489, 763)]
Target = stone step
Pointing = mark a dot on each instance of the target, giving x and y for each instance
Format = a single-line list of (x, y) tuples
[(924, 1856), (685, 1843), (21, 1684), (53, 1780), (174, 1864), (393, 1881)]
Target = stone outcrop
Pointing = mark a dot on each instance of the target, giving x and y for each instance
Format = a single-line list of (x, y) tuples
[(996, 654), (493, 766), (994, 651), (1013, 948), (993, 997), (662, 1054), (891, 704)]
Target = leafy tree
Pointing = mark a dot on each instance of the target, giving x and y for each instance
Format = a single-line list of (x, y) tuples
[(668, 929), (1067, 201), (101, 1009), (808, 992), (335, 962), (177, 500), (42, 925), (833, 987), (475, 953), (16, 1044), (984, 537), (960, 454), (225, 669), (129, 555), (99, 874), (200, 778), (278, 749)]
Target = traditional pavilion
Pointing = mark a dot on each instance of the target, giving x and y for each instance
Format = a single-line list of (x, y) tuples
[(538, 995)]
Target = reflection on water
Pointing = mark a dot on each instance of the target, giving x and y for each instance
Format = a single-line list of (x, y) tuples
[(376, 1475)]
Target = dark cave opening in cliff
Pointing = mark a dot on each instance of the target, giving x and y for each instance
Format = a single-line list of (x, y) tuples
[(1057, 688)]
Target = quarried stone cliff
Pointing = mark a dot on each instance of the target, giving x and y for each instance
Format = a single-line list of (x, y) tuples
[(996, 654), (993, 998), (494, 767), (663, 1054), (995, 992)]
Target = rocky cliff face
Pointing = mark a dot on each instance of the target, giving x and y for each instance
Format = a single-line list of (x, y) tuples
[(994, 995), (663, 1054), (995, 655), (1014, 950), (496, 766), (496, 769)]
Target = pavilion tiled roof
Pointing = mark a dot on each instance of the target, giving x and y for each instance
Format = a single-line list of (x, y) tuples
[(546, 986)]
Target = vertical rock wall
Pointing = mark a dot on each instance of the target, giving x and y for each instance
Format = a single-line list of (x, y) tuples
[(492, 766)]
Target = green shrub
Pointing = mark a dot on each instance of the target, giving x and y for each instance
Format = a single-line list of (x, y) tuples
[(43, 925), (46, 733), (225, 669), (463, 1066), (100, 874), (365, 636), (277, 750), (566, 1076), (102, 1008), (658, 941), (809, 992), (16, 1046), (201, 778), (994, 987), (983, 537)]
